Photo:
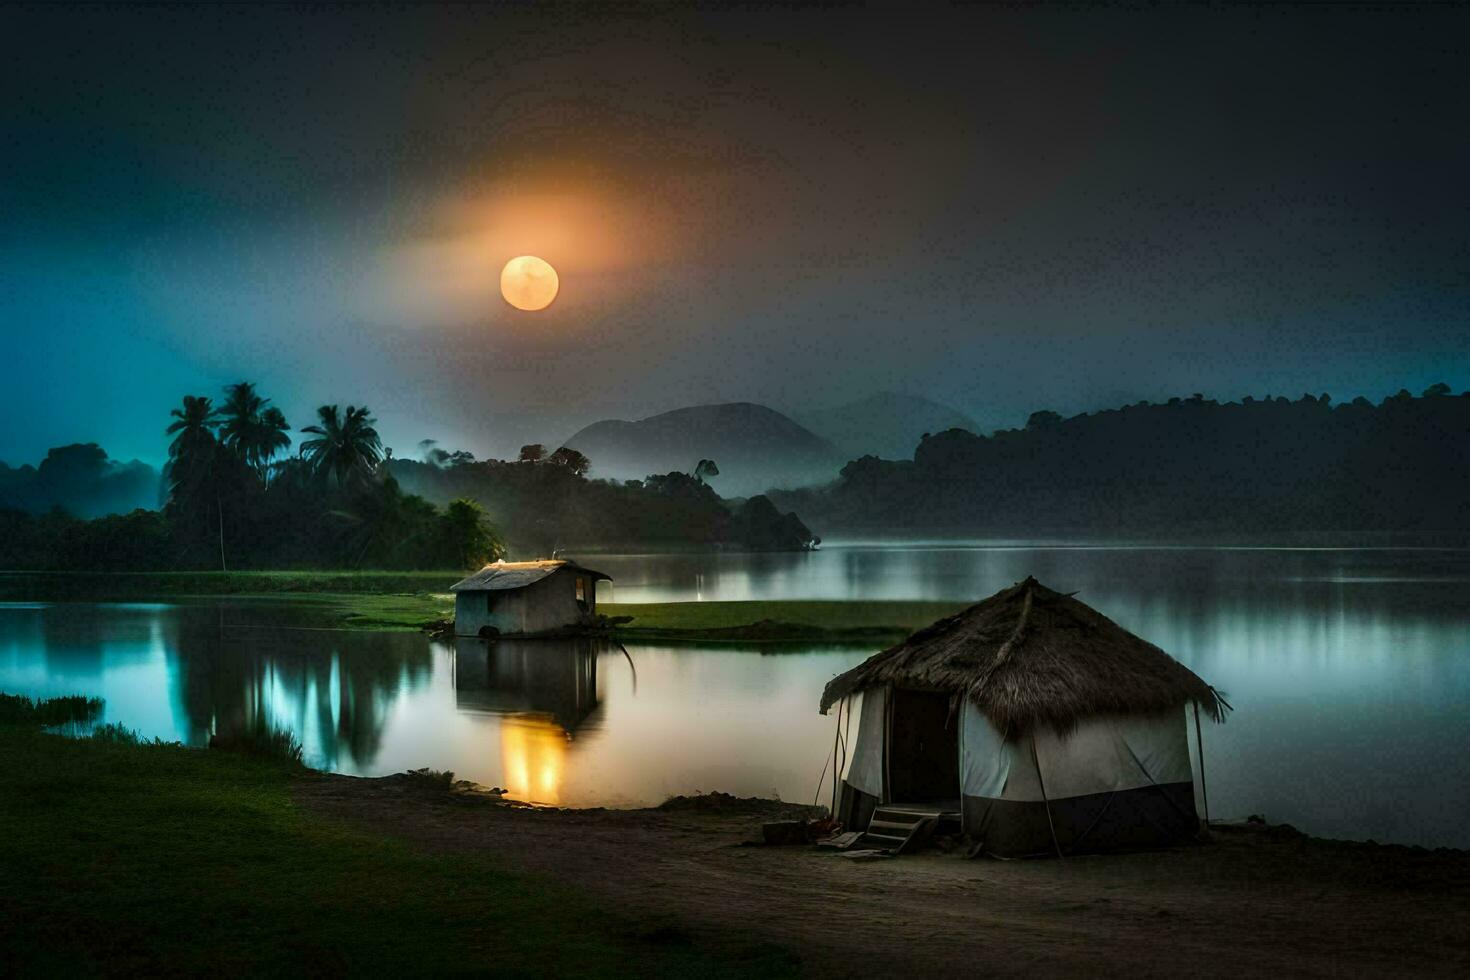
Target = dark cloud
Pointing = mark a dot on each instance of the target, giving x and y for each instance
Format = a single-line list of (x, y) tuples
[(1002, 208)]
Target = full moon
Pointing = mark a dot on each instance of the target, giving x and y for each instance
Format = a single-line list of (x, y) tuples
[(529, 283)]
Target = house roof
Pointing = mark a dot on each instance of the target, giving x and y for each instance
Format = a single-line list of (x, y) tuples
[(1029, 655), (504, 575)]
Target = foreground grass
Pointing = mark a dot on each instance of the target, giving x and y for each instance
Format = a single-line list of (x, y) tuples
[(121, 858)]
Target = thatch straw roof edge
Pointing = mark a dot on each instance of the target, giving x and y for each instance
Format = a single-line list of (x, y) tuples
[(1029, 655)]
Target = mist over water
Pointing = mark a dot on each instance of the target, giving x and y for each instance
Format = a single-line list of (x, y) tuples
[(1347, 669)]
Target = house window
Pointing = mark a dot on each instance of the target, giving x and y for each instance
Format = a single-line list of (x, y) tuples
[(489, 602), (581, 592)]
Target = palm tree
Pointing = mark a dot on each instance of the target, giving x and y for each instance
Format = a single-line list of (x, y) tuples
[(193, 459), (346, 445), (239, 415), (252, 429), (272, 437), (193, 431)]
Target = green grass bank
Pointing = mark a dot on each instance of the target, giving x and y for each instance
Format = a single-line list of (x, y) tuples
[(128, 859), (777, 620)]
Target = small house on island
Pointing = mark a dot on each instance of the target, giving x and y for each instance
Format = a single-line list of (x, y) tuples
[(526, 598), (1031, 719)]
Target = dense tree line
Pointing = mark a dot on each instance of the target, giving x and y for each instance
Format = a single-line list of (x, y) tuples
[(234, 499), (1192, 465), (233, 502), (546, 503)]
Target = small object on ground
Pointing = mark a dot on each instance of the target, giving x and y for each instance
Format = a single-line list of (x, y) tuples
[(866, 855), (822, 827), (841, 841)]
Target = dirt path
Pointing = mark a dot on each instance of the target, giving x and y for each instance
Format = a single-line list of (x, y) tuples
[(1251, 903)]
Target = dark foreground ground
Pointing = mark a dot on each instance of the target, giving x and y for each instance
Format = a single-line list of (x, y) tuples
[(120, 858), (1251, 902)]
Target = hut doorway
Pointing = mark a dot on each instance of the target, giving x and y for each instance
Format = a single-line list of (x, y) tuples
[(923, 748)]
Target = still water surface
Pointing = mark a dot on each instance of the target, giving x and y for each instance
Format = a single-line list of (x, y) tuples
[(1349, 670)]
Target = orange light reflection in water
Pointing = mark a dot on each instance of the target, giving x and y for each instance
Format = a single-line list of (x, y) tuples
[(533, 751)]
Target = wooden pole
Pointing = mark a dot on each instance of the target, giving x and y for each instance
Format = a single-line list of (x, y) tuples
[(1199, 742), (836, 737), (1036, 761), (219, 512)]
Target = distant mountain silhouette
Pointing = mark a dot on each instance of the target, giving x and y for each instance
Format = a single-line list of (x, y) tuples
[(82, 480), (887, 424), (1192, 466), (755, 447)]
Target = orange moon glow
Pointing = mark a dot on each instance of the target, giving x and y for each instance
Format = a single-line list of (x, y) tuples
[(529, 283)]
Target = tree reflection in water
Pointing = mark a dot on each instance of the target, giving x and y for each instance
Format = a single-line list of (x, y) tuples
[(333, 690)]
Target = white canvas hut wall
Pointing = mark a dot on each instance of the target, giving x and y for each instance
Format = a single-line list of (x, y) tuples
[(1113, 781), (863, 783)]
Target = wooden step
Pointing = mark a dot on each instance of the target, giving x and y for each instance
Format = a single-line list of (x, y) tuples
[(896, 829)]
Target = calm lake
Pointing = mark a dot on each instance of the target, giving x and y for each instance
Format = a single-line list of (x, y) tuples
[(1349, 670)]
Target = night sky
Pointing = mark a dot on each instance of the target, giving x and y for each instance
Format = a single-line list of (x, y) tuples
[(1004, 210)]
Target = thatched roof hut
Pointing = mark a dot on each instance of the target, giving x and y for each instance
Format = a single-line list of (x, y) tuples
[(1028, 656), (1039, 722)]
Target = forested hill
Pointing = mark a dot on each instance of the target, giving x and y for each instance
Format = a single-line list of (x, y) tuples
[(756, 447), (1190, 466)]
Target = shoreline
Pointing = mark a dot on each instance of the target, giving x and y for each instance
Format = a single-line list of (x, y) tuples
[(1250, 899), (417, 601), (682, 888), (116, 836), (720, 802)]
